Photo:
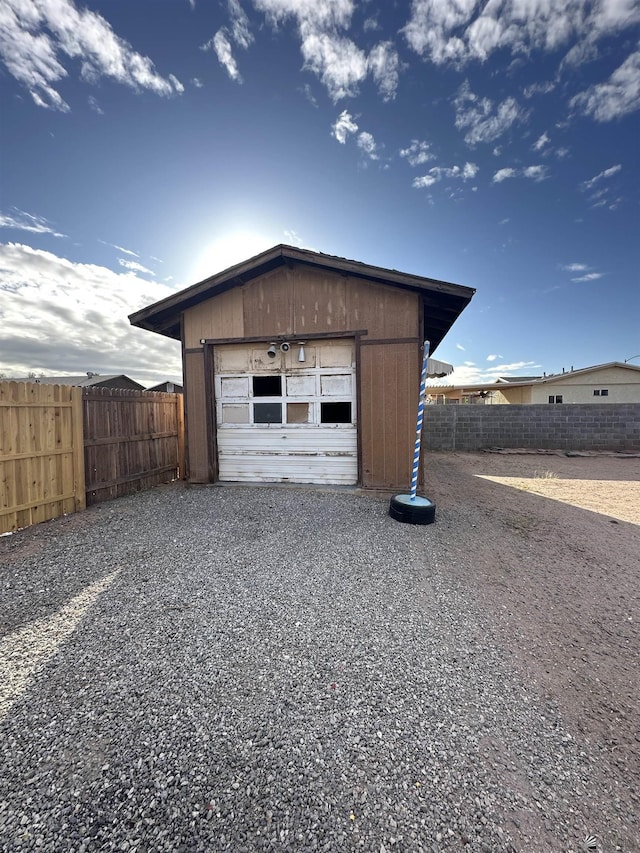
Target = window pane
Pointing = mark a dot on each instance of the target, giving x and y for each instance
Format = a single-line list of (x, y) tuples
[(267, 386), (551, 398), (267, 413), (558, 398), (335, 413), (604, 392), (297, 413), (596, 393), (238, 414)]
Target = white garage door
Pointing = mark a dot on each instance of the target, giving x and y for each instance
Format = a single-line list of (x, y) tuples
[(285, 419)]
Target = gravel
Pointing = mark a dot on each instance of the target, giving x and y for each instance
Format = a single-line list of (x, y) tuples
[(277, 669)]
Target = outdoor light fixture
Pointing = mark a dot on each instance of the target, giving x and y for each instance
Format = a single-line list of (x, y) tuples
[(271, 352), (285, 347), (301, 351)]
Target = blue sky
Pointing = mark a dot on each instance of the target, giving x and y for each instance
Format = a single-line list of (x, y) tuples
[(147, 144)]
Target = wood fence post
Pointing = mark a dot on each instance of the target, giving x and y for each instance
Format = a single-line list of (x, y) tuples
[(182, 458)]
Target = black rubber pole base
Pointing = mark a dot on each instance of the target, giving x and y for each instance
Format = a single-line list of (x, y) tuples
[(417, 511)]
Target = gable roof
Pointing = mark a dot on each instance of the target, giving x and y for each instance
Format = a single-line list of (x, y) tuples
[(502, 379), (443, 301), (88, 380)]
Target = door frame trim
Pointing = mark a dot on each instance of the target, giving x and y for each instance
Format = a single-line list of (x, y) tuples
[(209, 344)]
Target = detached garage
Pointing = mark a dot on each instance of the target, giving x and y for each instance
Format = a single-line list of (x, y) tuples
[(304, 368)]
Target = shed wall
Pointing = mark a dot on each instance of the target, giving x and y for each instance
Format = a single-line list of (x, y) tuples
[(389, 380), (196, 418), (297, 301)]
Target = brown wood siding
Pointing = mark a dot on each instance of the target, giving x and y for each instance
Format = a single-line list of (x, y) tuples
[(389, 379), (196, 419), (301, 300), (221, 317), (386, 312), (268, 304), (319, 301)]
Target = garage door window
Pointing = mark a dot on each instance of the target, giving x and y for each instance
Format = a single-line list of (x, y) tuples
[(267, 413), (318, 398), (335, 413)]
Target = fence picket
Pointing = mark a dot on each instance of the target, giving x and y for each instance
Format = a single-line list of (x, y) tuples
[(64, 447)]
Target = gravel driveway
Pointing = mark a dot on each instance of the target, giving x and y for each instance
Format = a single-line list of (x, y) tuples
[(246, 669)]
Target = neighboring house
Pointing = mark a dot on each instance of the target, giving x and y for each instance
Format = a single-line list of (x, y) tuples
[(614, 382), (168, 388), (303, 367), (87, 380)]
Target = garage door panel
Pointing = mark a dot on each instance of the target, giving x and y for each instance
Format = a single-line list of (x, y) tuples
[(249, 455), (318, 441)]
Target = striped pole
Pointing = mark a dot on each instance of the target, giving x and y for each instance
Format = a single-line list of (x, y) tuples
[(416, 451)]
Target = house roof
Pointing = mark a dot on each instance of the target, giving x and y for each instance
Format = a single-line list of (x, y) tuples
[(443, 301), (86, 380), (521, 381)]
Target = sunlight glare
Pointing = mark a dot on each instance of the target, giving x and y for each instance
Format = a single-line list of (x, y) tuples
[(226, 251), (25, 652)]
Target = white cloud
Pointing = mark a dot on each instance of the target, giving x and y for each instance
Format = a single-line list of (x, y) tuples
[(469, 374), (65, 317), (582, 268), (494, 357), (197, 83), (574, 267), (316, 13), (464, 30), (590, 276), (95, 106), (503, 174), (538, 89), (120, 249), (437, 173), (292, 238), (424, 182), (504, 221), (239, 25), (540, 143), (337, 60), (367, 143), (384, 65), (534, 173), (134, 266), (607, 173), (618, 97), (221, 45), (459, 346), (483, 121), (417, 153), (38, 36), (343, 126), (22, 221)]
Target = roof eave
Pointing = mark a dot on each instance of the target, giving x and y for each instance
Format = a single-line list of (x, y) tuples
[(163, 317)]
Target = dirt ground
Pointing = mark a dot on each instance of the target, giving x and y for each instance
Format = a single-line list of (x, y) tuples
[(556, 555)]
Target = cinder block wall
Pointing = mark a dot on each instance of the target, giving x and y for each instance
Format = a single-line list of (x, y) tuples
[(615, 426)]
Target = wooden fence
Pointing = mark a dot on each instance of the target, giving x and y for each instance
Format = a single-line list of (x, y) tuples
[(41, 453), (132, 440), (62, 448)]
